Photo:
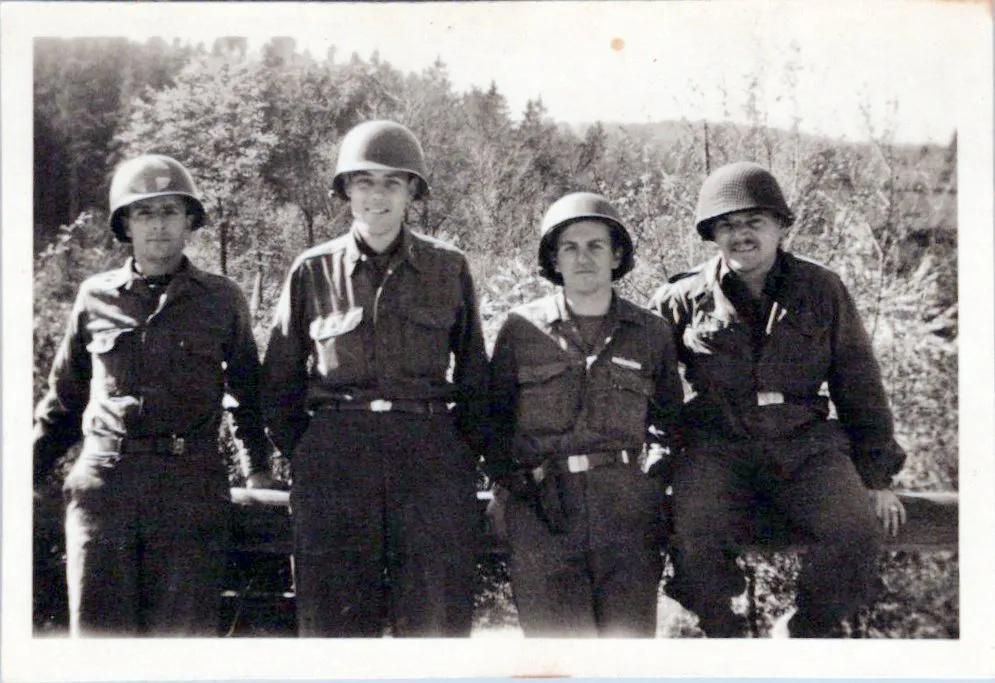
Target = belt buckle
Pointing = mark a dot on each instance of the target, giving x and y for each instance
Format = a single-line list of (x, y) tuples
[(578, 463), (177, 446), (538, 474), (381, 406), (769, 398)]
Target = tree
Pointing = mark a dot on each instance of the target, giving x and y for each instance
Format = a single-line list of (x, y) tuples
[(214, 121), (308, 107), (489, 196), (428, 105), (82, 90)]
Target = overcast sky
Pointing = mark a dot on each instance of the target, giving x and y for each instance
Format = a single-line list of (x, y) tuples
[(859, 68)]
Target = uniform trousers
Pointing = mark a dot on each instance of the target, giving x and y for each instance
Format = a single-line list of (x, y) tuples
[(146, 542), (601, 577), (814, 485), (384, 510)]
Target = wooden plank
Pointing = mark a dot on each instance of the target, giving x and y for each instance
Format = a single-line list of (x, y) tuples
[(262, 524), (931, 524), (261, 521)]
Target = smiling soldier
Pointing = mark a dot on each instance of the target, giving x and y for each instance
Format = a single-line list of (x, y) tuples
[(374, 379), (584, 397), (759, 332), (150, 350)]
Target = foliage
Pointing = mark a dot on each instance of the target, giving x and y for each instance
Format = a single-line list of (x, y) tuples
[(82, 248), (493, 603), (917, 599), (82, 90), (214, 121), (929, 582)]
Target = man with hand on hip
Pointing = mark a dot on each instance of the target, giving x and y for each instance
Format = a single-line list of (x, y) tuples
[(584, 395)]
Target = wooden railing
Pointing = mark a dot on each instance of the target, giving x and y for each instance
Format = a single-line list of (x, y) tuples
[(262, 524)]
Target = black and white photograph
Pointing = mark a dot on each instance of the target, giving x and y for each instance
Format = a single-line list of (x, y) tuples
[(497, 339)]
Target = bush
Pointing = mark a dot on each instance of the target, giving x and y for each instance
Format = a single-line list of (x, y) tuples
[(919, 598)]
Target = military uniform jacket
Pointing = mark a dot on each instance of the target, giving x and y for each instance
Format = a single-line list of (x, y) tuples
[(139, 363), (549, 397), (336, 336), (812, 336)]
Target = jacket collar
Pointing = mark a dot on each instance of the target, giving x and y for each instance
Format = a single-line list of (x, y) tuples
[(715, 271), (711, 291), (775, 278), (554, 309), (560, 321), (410, 250), (126, 276)]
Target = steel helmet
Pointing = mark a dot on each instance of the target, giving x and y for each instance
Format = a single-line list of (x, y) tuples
[(380, 146), (736, 187), (579, 206), (147, 176)]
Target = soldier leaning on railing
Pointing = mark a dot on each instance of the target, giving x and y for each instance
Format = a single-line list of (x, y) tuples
[(584, 396), (759, 331)]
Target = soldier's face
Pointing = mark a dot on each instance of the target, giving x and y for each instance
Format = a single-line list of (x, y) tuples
[(159, 228), (749, 240), (378, 200), (585, 258)]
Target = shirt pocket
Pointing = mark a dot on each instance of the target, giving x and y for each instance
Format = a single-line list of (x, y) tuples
[(620, 402), (808, 324), (803, 351), (722, 353), (337, 342), (426, 340), (202, 346), (197, 365), (111, 359), (548, 398)]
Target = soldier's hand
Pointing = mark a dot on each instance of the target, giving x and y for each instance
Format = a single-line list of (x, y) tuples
[(545, 494), (261, 480), (889, 510), (657, 461), (549, 506)]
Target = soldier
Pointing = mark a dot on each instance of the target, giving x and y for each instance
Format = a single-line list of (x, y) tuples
[(374, 379), (150, 350), (584, 394), (759, 332)]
